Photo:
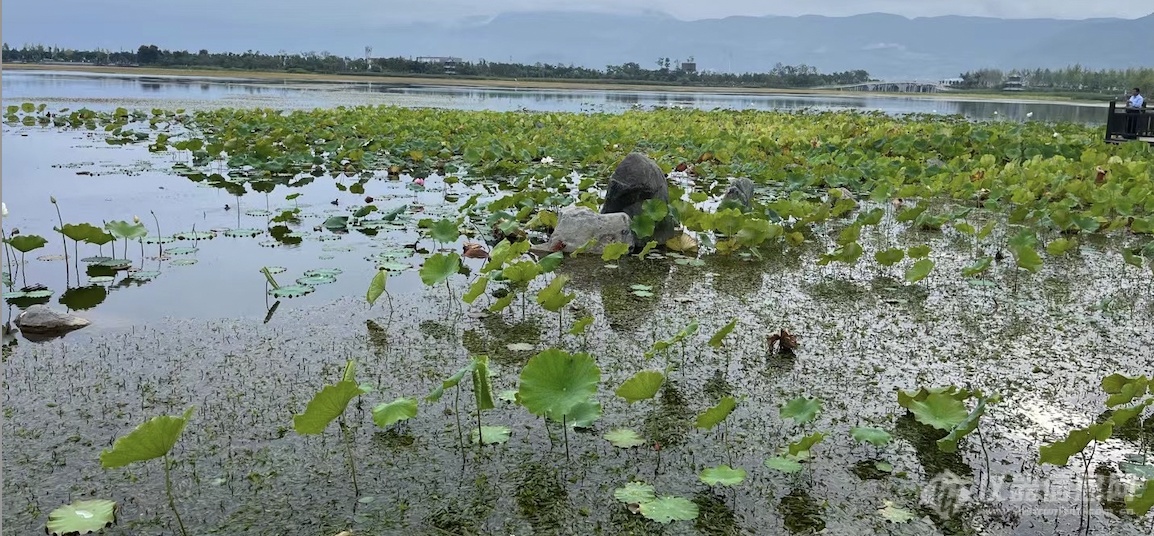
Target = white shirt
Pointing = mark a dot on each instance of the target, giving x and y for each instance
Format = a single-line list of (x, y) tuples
[(1136, 101)]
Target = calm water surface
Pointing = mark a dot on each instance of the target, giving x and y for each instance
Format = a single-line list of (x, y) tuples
[(104, 91)]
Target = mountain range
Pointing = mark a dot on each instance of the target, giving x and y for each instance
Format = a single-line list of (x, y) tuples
[(888, 46)]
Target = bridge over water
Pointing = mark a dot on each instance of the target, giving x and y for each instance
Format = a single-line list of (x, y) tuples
[(894, 86)]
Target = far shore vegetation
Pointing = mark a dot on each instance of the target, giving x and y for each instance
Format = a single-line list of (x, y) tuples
[(1071, 83)]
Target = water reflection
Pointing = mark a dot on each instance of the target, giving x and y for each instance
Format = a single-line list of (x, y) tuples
[(84, 87)]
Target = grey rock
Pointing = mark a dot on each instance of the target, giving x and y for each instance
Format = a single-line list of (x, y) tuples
[(578, 225), (42, 320), (739, 195), (637, 179)]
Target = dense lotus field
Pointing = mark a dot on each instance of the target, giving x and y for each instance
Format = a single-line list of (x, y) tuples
[(673, 401)]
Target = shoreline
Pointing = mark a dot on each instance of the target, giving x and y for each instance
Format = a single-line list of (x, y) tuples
[(561, 85)]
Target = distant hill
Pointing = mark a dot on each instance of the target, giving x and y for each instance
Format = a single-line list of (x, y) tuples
[(888, 46)]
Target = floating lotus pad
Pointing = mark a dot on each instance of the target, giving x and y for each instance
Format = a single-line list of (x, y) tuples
[(81, 517), (95, 260), (316, 280), (243, 233), (116, 264), (328, 237), (258, 213), (291, 291), (37, 294), (333, 272), (326, 257), (393, 266), (145, 275), (269, 244), (181, 251), (50, 258), (15, 294), (276, 269), (195, 235), (183, 262), (101, 279), (159, 239)]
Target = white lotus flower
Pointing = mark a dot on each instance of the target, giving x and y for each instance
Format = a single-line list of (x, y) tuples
[(5, 206), (547, 160), (995, 112), (1029, 114), (1055, 134)]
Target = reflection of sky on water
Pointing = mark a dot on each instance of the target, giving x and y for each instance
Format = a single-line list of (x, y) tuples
[(102, 91)]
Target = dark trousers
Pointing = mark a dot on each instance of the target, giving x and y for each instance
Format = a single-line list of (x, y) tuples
[(1132, 123)]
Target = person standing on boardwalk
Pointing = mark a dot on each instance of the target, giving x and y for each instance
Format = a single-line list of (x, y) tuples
[(1134, 105)]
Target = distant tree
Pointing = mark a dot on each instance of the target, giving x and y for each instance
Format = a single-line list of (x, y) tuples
[(147, 54)]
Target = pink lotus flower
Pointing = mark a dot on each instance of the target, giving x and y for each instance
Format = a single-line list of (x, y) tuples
[(419, 181)]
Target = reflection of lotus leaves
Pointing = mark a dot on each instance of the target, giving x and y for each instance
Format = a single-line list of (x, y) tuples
[(337, 247), (80, 298), (183, 262), (292, 291), (328, 237)]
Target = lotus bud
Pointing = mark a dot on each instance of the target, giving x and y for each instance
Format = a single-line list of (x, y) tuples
[(136, 219), (5, 207), (52, 198)]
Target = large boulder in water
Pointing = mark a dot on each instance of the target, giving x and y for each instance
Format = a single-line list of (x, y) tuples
[(739, 195), (42, 320), (578, 225), (637, 179)]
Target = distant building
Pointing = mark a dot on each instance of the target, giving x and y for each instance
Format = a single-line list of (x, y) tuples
[(689, 66), (951, 82), (449, 62), (1014, 83)]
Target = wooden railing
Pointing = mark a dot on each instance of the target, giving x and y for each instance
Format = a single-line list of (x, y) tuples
[(1124, 124)]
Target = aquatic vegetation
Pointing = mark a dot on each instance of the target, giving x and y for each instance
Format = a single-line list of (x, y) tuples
[(152, 439), (81, 517)]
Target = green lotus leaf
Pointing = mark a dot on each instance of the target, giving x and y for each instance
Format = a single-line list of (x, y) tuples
[(801, 409), (81, 517), (124, 230), (552, 298), (439, 268), (451, 382), (152, 439), (714, 415), (614, 251), (800, 449), (784, 464), (624, 438), (82, 232), (326, 405), (377, 286), (715, 340), (919, 270), (555, 382), (491, 435), (874, 436), (894, 514), (939, 410), (723, 475), (1141, 502), (401, 409), (641, 386), (482, 389), (635, 493), (26, 243), (445, 231), (665, 510), (580, 325)]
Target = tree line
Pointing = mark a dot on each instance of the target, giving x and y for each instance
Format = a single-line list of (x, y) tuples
[(666, 71), (1073, 78)]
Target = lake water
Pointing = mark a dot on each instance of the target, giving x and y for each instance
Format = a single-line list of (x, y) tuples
[(109, 91), (202, 330)]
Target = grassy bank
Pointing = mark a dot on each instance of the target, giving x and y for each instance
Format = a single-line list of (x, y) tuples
[(555, 84)]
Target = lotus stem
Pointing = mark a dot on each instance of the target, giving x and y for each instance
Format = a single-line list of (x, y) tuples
[(480, 437), (171, 500), (349, 451), (565, 432), (159, 243), (457, 414), (63, 242), (12, 268)]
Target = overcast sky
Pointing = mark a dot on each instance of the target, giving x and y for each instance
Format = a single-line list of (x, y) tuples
[(698, 9)]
